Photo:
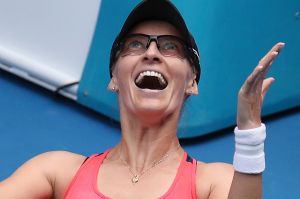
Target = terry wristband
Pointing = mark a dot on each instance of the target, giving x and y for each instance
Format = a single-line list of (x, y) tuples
[(249, 156)]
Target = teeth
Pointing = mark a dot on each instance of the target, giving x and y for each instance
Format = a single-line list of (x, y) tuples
[(162, 81)]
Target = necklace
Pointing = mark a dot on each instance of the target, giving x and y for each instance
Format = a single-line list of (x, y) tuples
[(136, 177)]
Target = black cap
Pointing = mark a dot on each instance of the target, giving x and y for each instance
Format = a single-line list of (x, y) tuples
[(159, 10)]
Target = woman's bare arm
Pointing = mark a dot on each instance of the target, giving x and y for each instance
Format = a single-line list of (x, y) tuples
[(250, 102), (44, 176), (31, 181), (225, 182)]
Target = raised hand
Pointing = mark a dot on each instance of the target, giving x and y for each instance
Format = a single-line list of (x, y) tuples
[(253, 91)]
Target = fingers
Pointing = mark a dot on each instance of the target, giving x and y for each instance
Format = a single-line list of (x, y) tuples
[(254, 74), (277, 47), (254, 82), (266, 85), (267, 60), (251, 81)]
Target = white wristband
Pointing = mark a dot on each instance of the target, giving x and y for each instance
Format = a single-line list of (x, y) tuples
[(249, 156)]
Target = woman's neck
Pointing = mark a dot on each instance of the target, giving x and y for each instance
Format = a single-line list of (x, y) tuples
[(143, 144)]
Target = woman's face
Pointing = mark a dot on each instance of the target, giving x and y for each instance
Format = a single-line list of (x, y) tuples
[(151, 83)]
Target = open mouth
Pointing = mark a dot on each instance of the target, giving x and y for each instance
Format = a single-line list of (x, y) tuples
[(151, 80)]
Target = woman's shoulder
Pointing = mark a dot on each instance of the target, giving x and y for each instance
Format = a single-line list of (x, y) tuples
[(53, 162), (213, 178), (212, 167), (57, 156), (49, 173), (62, 167)]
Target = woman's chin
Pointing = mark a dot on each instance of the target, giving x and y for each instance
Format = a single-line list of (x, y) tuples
[(154, 112), (151, 108)]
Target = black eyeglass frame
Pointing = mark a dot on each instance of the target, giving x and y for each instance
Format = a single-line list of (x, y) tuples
[(190, 52)]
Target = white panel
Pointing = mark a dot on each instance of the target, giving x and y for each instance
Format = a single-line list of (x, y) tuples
[(47, 40)]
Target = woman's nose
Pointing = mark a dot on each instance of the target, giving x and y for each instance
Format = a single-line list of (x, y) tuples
[(152, 52)]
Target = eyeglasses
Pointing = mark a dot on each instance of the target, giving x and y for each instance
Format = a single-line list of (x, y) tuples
[(168, 45)]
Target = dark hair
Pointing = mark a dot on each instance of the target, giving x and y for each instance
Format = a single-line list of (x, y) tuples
[(162, 10)]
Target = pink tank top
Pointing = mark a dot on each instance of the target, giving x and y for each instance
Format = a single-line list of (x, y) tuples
[(84, 184)]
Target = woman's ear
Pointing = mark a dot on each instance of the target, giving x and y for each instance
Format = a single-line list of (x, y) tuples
[(192, 88), (112, 85)]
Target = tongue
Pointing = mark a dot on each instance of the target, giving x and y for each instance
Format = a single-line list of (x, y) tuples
[(150, 82)]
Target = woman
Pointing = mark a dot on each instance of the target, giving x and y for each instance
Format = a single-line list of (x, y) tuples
[(154, 68)]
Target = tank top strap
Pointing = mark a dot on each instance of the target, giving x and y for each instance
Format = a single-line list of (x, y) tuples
[(193, 177), (184, 184)]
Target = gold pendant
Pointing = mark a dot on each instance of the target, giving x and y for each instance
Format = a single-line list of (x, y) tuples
[(135, 179)]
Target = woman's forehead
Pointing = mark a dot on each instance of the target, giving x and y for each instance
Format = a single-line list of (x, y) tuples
[(154, 27)]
